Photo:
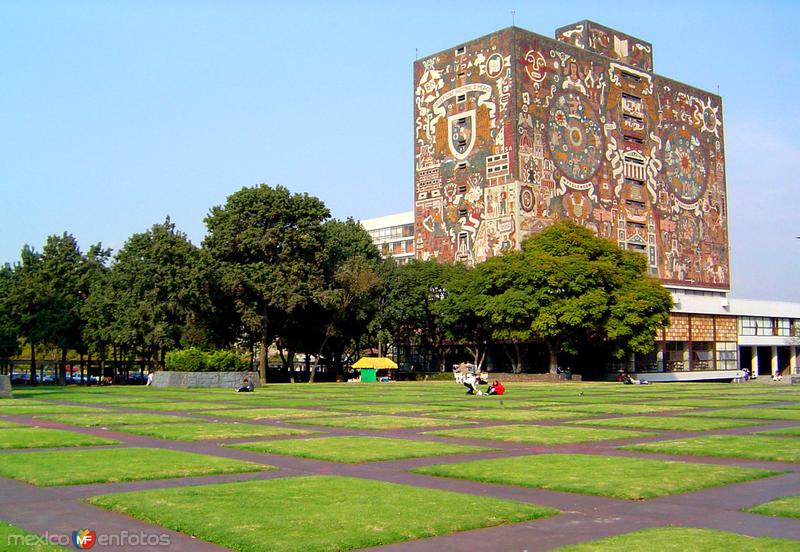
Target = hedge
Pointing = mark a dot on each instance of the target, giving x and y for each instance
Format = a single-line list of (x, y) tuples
[(195, 360)]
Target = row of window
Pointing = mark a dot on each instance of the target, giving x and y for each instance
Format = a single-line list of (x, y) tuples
[(760, 325), (392, 232), (397, 248)]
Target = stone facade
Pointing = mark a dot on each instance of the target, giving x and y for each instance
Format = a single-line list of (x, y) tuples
[(515, 130), (222, 380), (5, 387)]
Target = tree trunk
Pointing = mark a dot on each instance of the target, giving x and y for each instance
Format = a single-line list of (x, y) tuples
[(316, 360), (263, 359), (62, 371), (33, 364), (553, 358), (83, 370)]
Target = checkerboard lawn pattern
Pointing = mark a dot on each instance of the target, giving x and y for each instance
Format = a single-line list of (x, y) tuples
[(617, 408), (79, 467), (44, 408), (669, 423), (675, 539), (749, 447), (787, 431), (788, 506), (315, 513), (612, 476), (376, 422), (512, 415), (37, 437), (355, 449), (540, 435), (207, 431)]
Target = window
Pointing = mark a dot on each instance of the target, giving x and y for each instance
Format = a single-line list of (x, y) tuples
[(460, 51), (462, 74), (637, 225), (462, 189), (636, 247), (634, 203), (461, 166), (727, 356), (631, 97), (462, 211), (755, 325), (633, 77), (461, 98), (632, 139), (783, 327), (702, 355), (634, 182)]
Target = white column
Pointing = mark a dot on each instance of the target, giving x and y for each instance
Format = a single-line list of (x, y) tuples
[(754, 362), (774, 352), (793, 360)]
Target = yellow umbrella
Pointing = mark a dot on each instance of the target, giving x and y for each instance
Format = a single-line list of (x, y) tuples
[(378, 363)]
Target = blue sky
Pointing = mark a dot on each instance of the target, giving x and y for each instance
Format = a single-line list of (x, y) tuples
[(114, 115)]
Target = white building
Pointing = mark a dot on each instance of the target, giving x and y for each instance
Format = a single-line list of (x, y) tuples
[(393, 235)]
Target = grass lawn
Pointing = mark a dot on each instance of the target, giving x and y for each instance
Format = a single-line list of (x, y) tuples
[(787, 431), (16, 539), (315, 513), (42, 408), (261, 413), (79, 467), (375, 422), (4, 424), (539, 435), (353, 450), (679, 539), (673, 423), (617, 408), (106, 418), (750, 447), (750, 413), (788, 506), (512, 415), (178, 406), (37, 437), (612, 476), (391, 408), (204, 431), (711, 403)]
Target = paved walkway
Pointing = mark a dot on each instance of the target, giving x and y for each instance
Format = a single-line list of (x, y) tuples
[(60, 510)]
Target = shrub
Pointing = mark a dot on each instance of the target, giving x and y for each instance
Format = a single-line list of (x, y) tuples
[(195, 360)]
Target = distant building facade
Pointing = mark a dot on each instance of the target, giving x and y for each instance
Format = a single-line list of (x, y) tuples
[(393, 235), (515, 130)]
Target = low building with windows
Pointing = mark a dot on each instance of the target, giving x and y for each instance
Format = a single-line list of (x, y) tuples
[(393, 235)]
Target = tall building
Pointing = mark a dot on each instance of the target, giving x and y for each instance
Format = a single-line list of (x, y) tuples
[(515, 130)]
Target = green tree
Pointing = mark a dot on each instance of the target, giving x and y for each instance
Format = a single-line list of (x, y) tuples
[(267, 243), (10, 331), (155, 282), (411, 312), (459, 313), (566, 288)]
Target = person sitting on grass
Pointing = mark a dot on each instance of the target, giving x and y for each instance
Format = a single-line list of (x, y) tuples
[(496, 388), (247, 387), (469, 383)]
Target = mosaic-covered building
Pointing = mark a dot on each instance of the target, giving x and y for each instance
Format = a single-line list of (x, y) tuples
[(515, 130)]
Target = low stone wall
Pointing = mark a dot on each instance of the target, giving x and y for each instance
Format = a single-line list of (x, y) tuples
[(5, 387), (222, 380)]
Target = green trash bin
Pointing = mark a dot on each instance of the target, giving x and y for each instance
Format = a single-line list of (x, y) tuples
[(368, 374)]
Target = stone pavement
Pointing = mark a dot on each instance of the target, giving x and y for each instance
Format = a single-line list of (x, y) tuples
[(60, 510)]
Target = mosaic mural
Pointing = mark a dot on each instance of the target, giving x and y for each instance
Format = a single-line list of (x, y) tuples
[(515, 131)]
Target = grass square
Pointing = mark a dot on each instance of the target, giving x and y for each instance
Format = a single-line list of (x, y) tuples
[(616, 408), (105, 419), (178, 406), (683, 538), (750, 413), (612, 476), (788, 506), (16, 539), (261, 413), (206, 431), (786, 431), (356, 449), (512, 415), (539, 435), (376, 422), (391, 408), (749, 447), (711, 403), (668, 423), (5, 424), (43, 408), (80, 467), (315, 513), (38, 437)]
